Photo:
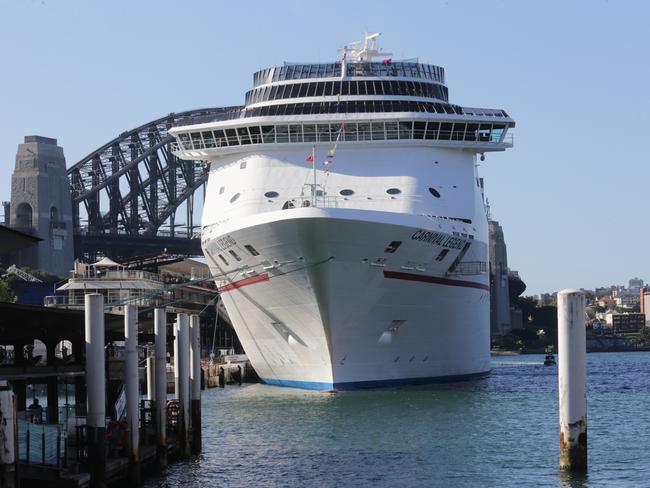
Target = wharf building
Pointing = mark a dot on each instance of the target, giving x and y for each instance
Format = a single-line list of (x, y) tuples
[(41, 206), (500, 322)]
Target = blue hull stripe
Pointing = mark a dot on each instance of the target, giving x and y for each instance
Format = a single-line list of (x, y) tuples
[(356, 385)]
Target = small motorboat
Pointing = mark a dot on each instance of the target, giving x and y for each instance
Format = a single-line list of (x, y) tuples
[(549, 360)]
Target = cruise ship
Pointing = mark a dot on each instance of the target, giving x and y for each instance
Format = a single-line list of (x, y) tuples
[(345, 223)]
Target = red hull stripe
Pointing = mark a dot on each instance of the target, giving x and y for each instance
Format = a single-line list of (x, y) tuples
[(434, 279), (245, 282)]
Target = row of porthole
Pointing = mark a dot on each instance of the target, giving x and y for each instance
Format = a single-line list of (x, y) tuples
[(345, 192)]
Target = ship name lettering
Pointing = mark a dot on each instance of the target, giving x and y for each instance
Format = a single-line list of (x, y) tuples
[(224, 243), (438, 239)]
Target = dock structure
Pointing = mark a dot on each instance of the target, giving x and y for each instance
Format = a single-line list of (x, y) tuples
[(104, 432)]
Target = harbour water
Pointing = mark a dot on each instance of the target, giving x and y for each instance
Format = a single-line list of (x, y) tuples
[(498, 431)]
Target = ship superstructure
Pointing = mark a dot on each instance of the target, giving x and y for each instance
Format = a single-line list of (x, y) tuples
[(345, 225)]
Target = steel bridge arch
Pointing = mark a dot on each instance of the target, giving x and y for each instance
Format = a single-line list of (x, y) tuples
[(131, 186)]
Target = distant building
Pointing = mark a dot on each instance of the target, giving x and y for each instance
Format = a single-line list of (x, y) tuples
[(500, 321), (628, 322), (627, 297), (41, 206), (635, 283)]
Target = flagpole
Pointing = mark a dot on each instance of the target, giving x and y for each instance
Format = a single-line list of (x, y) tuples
[(313, 163)]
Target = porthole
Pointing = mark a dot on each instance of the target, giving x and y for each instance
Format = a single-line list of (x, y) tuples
[(393, 191), (347, 192), (242, 165), (222, 189), (234, 197), (434, 192), (271, 194)]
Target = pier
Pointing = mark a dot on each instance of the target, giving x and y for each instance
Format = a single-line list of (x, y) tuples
[(110, 427)]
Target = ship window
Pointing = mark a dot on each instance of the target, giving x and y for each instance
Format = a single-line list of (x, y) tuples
[(354, 88), (350, 132), (251, 250), (419, 130), (282, 133), (362, 131), (458, 132), (231, 134), (295, 133), (497, 132), (268, 134), (471, 132), (346, 192), (391, 130), (445, 131), (197, 143), (378, 131), (336, 88), (220, 138), (320, 89), (234, 255), (185, 140), (223, 259), (442, 254), (221, 190), (393, 191), (311, 89), (405, 130), (324, 132), (434, 192), (208, 139), (484, 132), (345, 88), (243, 135), (242, 165), (432, 130), (309, 132), (392, 247), (271, 194), (255, 134), (303, 90), (234, 197)]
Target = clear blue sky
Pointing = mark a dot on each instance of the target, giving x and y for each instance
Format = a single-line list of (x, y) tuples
[(571, 195)]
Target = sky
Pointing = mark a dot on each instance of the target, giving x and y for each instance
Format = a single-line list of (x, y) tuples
[(571, 194)]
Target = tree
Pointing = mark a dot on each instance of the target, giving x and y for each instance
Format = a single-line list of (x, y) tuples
[(5, 292)]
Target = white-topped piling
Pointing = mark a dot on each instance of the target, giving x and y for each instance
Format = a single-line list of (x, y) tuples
[(195, 381), (176, 359), (8, 437), (183, 383), (572, 380), (160, 378), (95, 388), (132, 392), (150, 366)]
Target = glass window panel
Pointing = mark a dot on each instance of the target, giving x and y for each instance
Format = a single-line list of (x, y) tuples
[(208, 139), (320, 89), (324, 133), (268, 134), (256, 137), (354, 88), (379, 88), (311, 89), (185, 141), (243, 135), (309, 132), (302, 90), (336, 88), (350, 132), (391, 130), (345, 87), (274, 91), (197, 142), (497, 132), (419, 129), (231, 135), (471, 133), (432, 130), (361, 131), (445, 131), (295, 133), (405, 130), (484, 132), (282, 133), (458, 132)]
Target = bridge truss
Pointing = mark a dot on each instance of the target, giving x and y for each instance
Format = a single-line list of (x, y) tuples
[(125, 194)]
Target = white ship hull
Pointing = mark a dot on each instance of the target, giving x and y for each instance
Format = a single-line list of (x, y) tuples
[(326, 315)]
